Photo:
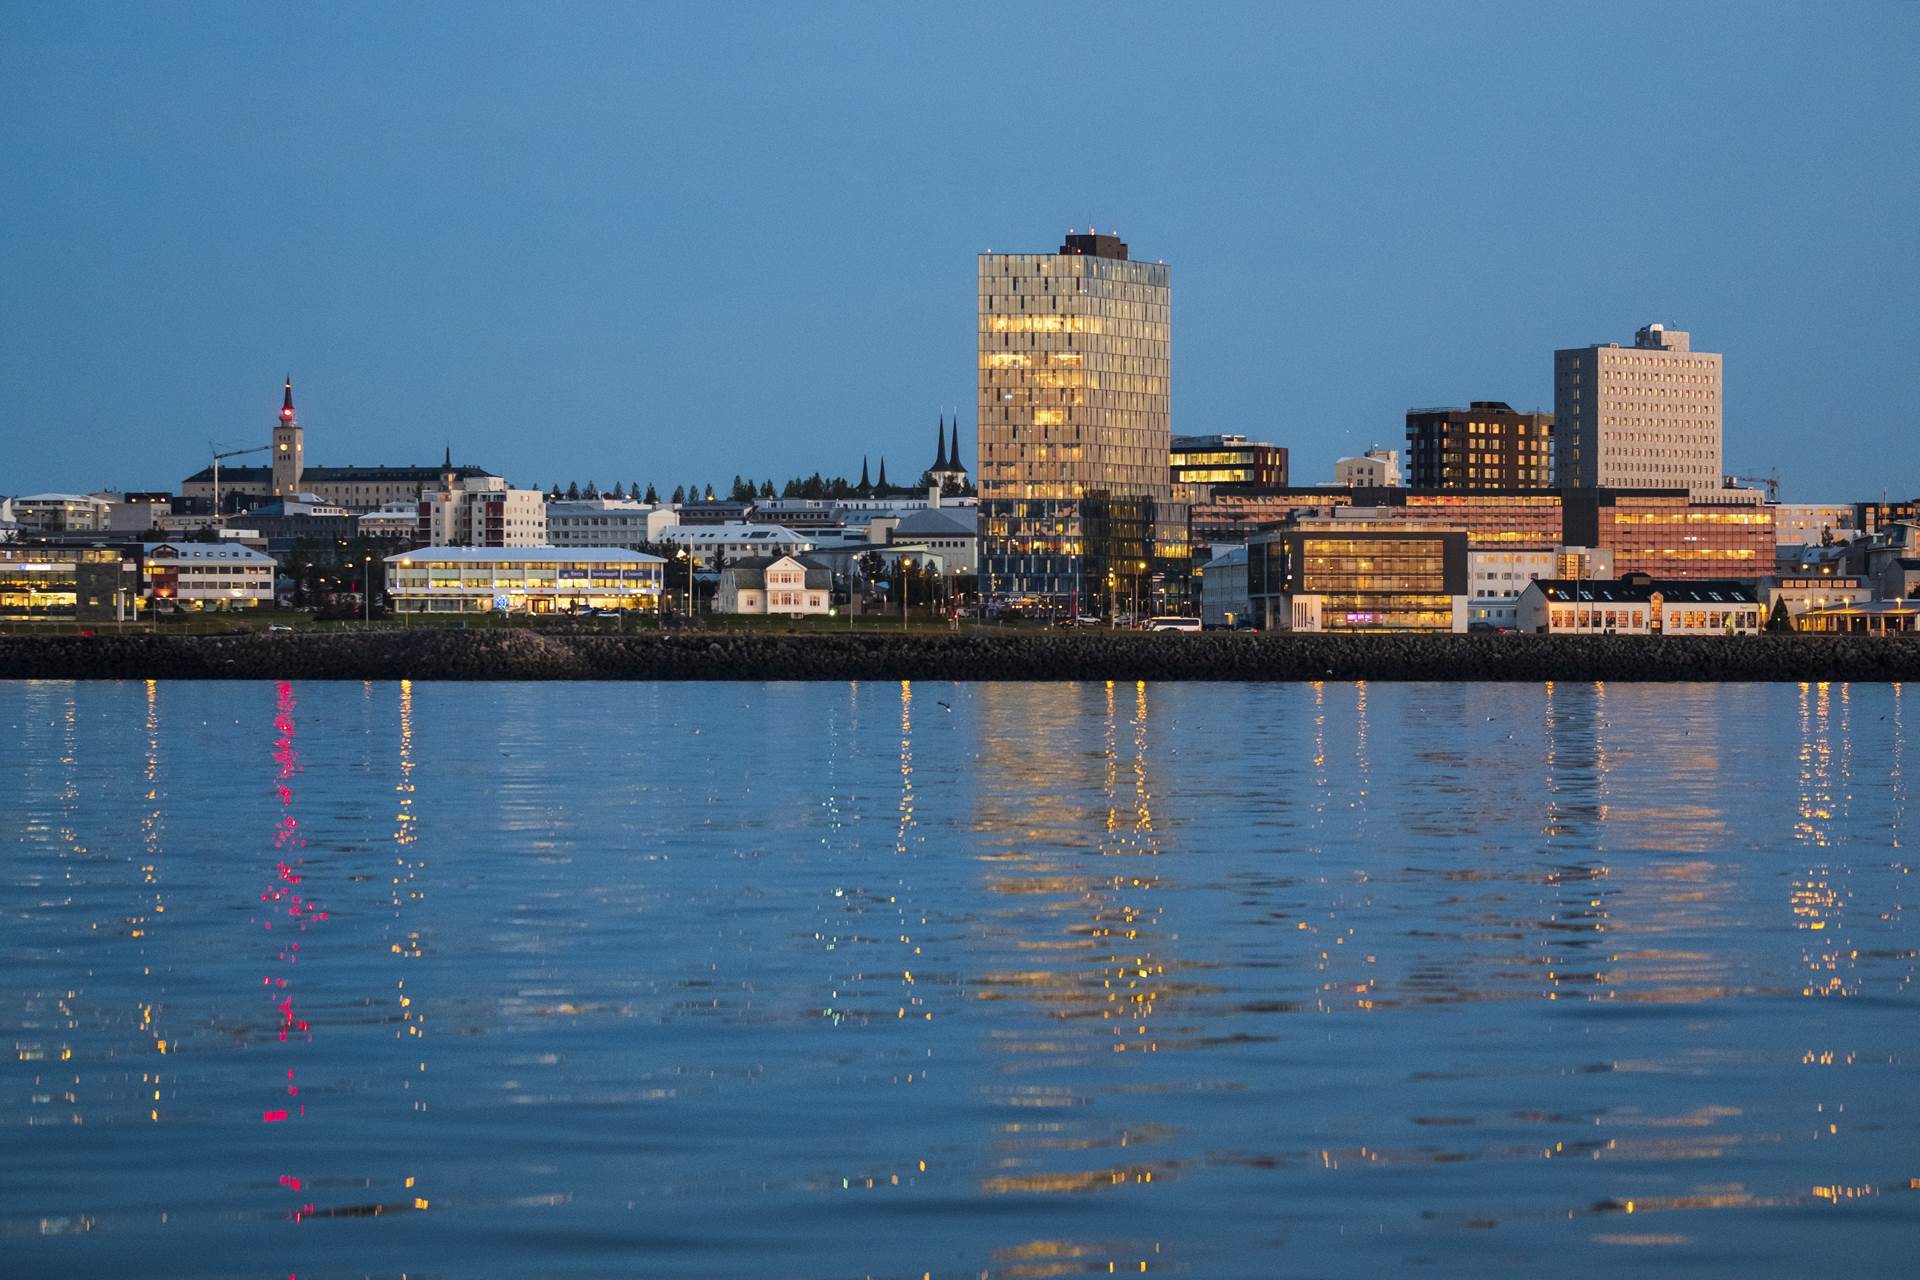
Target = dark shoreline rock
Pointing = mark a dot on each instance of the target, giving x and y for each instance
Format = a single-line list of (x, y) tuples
[(518, 654)]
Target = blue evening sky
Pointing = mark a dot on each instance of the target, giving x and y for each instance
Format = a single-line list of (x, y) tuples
[(642, 242)]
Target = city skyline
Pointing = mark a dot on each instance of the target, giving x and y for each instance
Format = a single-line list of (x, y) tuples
[(650, 267)]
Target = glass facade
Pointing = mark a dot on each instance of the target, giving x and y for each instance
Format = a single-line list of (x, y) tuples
[(1664, 535), (85, 584), (524, 584), (1364, 580), (1228, 461), (1073, 404)]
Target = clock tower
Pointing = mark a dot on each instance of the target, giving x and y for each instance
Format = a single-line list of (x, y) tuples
[(289, 449)]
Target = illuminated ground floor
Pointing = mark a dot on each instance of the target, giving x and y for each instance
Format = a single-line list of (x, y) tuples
[(1874, 618), (535, 580)]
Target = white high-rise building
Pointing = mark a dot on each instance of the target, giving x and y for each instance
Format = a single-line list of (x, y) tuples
[(1639, 417)]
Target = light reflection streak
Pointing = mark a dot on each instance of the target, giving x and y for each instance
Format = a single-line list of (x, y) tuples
[(154, 900), (1093, 969), (1814, 901), (403, 942), (286, 903)]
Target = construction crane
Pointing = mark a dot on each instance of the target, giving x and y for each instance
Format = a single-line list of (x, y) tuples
[(218, 454), (1769, 481)]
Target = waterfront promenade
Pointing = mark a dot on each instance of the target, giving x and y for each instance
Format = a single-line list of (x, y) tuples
[(986, 655)]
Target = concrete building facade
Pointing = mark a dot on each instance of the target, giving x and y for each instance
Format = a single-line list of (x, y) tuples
[(1646, 416), (1377, 468)]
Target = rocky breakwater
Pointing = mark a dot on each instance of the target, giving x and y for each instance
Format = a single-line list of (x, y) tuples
[(518, 654)]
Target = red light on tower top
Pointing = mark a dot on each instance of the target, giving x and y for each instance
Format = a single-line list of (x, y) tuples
[(286, 405)]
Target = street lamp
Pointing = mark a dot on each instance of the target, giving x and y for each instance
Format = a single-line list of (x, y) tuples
[(684, 554), (906, 567), (366, 587)]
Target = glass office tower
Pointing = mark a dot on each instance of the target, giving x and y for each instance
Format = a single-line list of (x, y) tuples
[(1073, 410)]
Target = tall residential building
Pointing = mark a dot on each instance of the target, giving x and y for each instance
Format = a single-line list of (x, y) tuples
[(1487, 445), (1073, 413), (1639, 417), (289, 449)]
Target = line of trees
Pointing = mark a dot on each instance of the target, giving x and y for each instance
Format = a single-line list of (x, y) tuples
[(745, 489)]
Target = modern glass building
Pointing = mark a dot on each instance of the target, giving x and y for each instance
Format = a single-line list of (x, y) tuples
[(1073, 413), (1229, 462), (1359, 575)]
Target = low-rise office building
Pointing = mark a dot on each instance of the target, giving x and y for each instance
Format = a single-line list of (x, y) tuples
[(952, 534), (714, 544), (792, 585), (1793, 595), (58, 513), (608, 522), (1359, 575), (523, 580), (1668, 534), (1223, 590), (202, 576), (396, 521), (1228, 461), (1812, 524), (1639, 605), (67, 584)]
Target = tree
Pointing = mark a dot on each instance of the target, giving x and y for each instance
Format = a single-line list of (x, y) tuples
[(791, 489), (709, 493), (618, 490), (693, 492), (766, 488), (742, 490), (590, 491), (573, 490), (652, 497), (679, 495)]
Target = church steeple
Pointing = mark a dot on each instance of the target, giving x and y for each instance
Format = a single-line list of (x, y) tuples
[(286, 404), (953, 455), (866, 486), (880, 485), (940, 436)]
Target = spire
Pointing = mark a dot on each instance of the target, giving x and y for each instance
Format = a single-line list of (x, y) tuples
[(446, 463), (953, 456), (880, 485), (286, 405), (866, 486), (940, 435)]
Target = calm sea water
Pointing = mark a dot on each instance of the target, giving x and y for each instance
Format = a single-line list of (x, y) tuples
[(449, 980)]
